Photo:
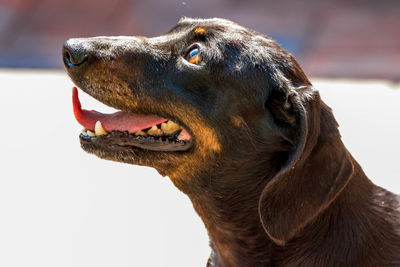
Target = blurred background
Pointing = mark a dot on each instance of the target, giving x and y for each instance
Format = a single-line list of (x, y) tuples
[(330, 38), (60, 206)]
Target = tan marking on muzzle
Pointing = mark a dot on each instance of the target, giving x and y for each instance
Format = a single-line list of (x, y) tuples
[(208, 141), (206, 148)]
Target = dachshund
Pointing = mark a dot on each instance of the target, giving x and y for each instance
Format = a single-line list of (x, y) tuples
[(231, 118)]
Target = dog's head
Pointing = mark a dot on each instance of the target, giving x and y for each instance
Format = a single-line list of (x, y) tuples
[(209, 95)]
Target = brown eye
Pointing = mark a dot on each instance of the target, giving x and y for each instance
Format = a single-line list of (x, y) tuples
[(194, 57)]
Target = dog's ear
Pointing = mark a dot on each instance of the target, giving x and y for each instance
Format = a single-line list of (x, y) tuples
[(316, 171)]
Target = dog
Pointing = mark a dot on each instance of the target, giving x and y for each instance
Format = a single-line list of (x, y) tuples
[(235, 123)]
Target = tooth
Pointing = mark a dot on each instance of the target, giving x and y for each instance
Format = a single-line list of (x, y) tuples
[(155, 131), (173, 126), (164, 127), (170, 127), (140, 132), (84, 132), (90, 133), (98, 129)]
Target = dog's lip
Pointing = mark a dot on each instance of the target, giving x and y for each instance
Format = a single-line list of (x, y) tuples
[(122, 121)]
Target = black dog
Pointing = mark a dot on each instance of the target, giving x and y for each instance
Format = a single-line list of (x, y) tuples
[(232, 119)]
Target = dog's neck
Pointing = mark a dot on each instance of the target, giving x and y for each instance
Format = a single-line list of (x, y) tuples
[(237, 237), (231, 217), (236, 234)]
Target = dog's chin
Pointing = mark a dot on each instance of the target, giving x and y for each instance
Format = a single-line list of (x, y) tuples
[(163, 162)]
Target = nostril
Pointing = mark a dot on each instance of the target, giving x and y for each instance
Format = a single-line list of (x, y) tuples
[(67, 58), (74, 58)]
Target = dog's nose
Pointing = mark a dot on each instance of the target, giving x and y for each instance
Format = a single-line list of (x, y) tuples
[(74, 53)]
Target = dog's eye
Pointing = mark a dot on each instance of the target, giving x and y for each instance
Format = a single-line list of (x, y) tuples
[(194, 57)]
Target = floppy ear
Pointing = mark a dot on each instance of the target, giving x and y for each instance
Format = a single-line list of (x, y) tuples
[(317, 170)]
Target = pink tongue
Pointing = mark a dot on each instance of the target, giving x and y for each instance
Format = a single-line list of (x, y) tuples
[(118, 121)]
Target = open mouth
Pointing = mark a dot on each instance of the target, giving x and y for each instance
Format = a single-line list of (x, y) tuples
[(128, 129)]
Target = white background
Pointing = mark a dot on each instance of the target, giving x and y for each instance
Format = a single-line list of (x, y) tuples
[(62, 207)]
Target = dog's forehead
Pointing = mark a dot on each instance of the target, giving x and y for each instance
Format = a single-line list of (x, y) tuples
[(216, 23), (187, 26)]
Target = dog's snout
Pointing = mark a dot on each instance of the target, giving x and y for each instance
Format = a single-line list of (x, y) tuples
[(74, 54)]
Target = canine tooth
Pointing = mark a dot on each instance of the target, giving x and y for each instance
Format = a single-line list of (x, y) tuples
[(140, 132), (170, 127), (155, 131), (90, 133), (84, 133), (98, 129)]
